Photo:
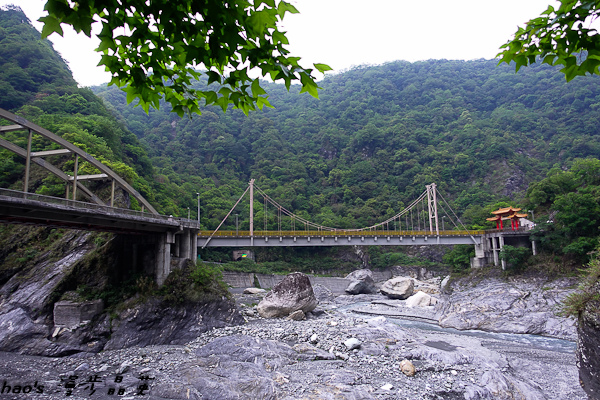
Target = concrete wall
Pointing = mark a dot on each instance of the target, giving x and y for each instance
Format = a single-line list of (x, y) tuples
[(71, 314), (335, 284), (244, 280)]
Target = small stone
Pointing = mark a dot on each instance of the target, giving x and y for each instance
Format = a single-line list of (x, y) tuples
[(297, 315), (82, 368), (314, 338), (387, 387), (126, 366), (453, 372), (253, 290), (407, 368), (352, 343), (341, 355), (281, 378)]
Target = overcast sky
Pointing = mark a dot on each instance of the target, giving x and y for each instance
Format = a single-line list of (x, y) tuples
[(347, 33)]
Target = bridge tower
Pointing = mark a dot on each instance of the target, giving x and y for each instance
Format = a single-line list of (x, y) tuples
[(433, 211)]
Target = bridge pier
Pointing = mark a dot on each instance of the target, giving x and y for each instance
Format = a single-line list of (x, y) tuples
[(488, 251), (162, 260), (181, 245)]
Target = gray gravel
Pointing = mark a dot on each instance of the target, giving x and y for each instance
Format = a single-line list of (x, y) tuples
[(282, 359)]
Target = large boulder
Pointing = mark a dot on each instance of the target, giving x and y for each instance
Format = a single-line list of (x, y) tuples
[(398, 288), (293, 293), (361, 282), (520, 305), (419, 299), (322, 293)]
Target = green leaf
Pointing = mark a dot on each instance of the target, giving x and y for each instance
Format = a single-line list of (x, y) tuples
[(213, 77), (257, 90), (51, 25), (322, 68), (284, 7), (262, 101)]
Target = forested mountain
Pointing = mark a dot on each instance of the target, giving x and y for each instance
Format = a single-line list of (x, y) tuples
[(376, 136), (357, 155), (28, 65)]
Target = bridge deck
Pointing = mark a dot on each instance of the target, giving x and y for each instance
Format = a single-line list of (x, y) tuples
[(336, 238), (34, 209)]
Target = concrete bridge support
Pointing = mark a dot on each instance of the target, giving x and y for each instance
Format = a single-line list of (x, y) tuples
[(488, 251), (182, 245), (162, 259)]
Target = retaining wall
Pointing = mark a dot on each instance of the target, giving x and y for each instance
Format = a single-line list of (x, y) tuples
[(266, 281)]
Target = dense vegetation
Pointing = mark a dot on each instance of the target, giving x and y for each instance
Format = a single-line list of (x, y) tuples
[(360, 154), (571, 199), (376, 137)]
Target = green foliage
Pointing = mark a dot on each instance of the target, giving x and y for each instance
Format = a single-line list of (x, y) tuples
[(572, 198), (165, 44), (459, 258), (380, 259), (355, 157), (515, 258), (325, 265), (376, 136), (28, 65), (587, 294), (560, 36), (194, 283)]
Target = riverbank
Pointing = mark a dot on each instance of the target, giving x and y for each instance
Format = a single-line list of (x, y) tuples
[(284, 359), (491, 302)]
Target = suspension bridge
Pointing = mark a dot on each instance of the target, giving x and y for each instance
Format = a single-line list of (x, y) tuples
[(417, 224)]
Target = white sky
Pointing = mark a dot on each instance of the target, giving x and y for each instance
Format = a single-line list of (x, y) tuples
[(346, 33)]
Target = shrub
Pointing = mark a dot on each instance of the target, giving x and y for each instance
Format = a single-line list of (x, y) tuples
[(194, 283), (515, 257), (587, 292), (459, 258)]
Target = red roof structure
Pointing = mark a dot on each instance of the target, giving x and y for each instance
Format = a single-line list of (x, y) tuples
[(507, 213)]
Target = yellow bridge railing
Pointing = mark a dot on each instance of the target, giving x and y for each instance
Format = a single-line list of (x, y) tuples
[(336, 233)]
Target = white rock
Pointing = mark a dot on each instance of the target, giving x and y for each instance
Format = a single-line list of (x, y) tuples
[(398, 288), (376, 321), (419, 299), (253, 290), (352, 343), (294, 292), (387, 386), (408, 368), (314, 338)]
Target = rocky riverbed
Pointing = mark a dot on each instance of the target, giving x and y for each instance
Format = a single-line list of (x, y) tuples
[(309, 359)]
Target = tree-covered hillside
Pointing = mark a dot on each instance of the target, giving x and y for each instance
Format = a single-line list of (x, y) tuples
[(28, 65), (377, 135), (357, 155), (354, 157)]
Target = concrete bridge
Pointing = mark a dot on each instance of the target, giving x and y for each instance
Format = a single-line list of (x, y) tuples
[(152, 238)]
